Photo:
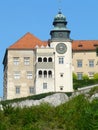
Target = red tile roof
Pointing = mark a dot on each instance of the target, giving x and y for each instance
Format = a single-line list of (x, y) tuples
[(87, 45), (28, 41)]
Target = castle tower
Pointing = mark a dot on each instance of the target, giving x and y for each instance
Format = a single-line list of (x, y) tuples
[(62, 45)]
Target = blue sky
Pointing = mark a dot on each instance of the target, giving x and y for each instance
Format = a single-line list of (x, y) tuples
[(17, 17)]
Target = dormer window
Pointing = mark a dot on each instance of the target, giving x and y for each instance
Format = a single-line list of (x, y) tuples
[(80, 45), (95, 45)]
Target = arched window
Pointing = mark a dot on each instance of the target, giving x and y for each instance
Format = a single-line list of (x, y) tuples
[(49, 74), (44, 59), (40, 73), (49, 59), (45, 74), (39, 59)]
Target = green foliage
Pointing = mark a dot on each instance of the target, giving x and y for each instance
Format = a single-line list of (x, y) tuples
[(85, 77), (77, 114), (93, 91), (74, 77), (84, 83), (96, 76)]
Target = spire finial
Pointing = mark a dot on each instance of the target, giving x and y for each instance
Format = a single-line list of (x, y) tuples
[(60, 5)]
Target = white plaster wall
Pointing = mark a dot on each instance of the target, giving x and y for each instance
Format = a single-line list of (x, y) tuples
[(65, 68), (39, 85)]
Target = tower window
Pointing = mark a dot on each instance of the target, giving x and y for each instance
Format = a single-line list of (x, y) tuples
[(44, 85), (61, 87), (44, 59), (61, 60), (61, 75)]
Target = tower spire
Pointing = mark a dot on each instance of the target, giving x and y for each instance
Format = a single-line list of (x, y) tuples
[(59, 5)]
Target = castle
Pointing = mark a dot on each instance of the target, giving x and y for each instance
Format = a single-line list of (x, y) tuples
[(32, 66)]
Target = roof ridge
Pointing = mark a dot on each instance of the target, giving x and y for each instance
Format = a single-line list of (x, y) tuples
[(85, 40), (27, 41)]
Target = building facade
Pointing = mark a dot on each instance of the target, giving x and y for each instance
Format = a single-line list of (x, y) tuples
[(32, 66), (85, 58)]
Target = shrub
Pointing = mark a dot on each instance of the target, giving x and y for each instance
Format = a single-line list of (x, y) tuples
[(93, 91), (96, 76), (85, 77)]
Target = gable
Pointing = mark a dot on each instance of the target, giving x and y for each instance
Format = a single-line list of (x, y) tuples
[(28, 41)]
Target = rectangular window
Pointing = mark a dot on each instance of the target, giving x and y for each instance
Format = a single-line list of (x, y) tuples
[(91, 74), (61, 60), (16, 75), (44, 85), (16, 60), (31, 90), (29, 75), (17, 89), (26, 60), (79, 63), (79, 75), (91, 63)]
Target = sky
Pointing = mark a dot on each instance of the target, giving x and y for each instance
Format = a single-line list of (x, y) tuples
[(17, 17)]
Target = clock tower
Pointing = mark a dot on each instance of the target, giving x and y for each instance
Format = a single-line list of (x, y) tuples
[(61, 43)]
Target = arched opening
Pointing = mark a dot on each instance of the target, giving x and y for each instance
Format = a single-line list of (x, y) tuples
[(49, 74), (40, 73), (45, 74), (44, 59), (39, 59), (49, 59)]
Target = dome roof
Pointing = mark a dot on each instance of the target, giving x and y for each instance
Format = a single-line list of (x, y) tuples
[(59, 17)]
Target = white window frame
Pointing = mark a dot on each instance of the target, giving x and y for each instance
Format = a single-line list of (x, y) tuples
[(17, 75), (26, 60), (16, 60), (29, 75)]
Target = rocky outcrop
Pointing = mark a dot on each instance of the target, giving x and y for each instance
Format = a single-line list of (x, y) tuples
[(54, 100)]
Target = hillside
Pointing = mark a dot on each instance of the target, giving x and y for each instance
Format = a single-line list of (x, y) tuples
[(78, 113)]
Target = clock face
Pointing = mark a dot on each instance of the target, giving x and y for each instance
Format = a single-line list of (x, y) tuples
[(61, 48)]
